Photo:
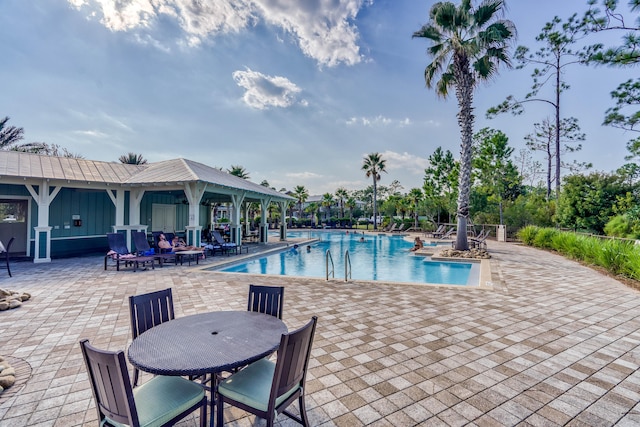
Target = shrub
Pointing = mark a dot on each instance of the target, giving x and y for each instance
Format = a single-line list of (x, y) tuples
[(631, 265), (566, 243), (613, 254), (544, 238), (528, 234), (618, 226)]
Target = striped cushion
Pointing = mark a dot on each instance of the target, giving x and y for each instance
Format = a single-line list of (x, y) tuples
[(162, 398), (252, 385)]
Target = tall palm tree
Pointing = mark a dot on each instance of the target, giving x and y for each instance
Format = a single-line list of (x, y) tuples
[(239, 171), (374, 164), (342, 194), (302, 194), (351, 204), (9, 135), (132, 159), (327, 202), (467, 46), (414, 197)]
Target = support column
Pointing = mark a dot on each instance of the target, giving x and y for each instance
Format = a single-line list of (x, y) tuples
[(264, 227), (283, 222), (235, 230), (43, 198), (194, 192), (118, 202)]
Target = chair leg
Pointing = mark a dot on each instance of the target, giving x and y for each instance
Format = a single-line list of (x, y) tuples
[(303, 411), (219, 409), (203, 414), (8, 269), (136, 374)]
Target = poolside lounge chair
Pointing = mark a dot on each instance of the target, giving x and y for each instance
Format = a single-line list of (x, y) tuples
[(448, 233), (392, 228), (143, 248), (225, 246), (436, 233), (120, 253), (400, 229), (480, 240)]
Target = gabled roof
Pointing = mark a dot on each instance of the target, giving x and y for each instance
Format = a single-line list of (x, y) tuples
[(16, 164), (28, 165)]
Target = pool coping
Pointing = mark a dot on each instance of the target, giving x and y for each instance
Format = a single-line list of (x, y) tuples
[(484, 280)]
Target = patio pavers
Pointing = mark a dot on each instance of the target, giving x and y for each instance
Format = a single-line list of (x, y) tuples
[(553, 343)]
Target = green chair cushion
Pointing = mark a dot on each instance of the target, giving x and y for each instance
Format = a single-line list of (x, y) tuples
[(252, 385), (162, 398)]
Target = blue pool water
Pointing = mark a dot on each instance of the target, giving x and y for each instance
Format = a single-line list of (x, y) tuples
[(379, 257)]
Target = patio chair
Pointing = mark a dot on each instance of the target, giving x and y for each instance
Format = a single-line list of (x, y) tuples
[(7, 249), (265, 388), (120, 253), (149, 310), (143, 247), (400, 229), (266, 299), (161, 401)]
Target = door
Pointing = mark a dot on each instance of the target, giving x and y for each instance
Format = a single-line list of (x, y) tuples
[(13, 223), (163, 218)]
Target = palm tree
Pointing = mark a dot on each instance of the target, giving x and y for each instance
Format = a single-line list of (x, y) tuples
[(415, 197), (327, 202), (342, 194), (374, 164), (132, 159), (467, 46), (9, 136), (302, 194), (351, 205), (239, 171), (314, 209)]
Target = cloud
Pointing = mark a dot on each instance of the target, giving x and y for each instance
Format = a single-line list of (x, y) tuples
[(262, 91), (91, 133), (323, 29), (302, 175), (377, 121), (404, 161)]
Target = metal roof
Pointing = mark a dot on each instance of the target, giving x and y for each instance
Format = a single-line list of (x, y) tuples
[(169, 172)]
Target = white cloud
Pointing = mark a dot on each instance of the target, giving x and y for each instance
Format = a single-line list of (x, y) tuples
[(323, 29), (302, 175), (262, 91), (404, 161), (91, 133), (378, 121)]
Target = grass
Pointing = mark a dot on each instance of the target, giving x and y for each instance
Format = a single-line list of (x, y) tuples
[(617, 257)]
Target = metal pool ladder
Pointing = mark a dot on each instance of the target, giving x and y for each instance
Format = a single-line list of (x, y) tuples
[(328, 258), (347, 266)]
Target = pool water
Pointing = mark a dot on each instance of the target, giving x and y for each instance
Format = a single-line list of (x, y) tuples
[(379, 258)]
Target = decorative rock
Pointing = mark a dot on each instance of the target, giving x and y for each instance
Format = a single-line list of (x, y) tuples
[(12, 299), (8, 371), (25, 296), (15, 303), (8, 381), (4, 305), (470, 254)]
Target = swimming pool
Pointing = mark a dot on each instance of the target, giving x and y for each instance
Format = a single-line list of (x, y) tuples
[(380, 257)]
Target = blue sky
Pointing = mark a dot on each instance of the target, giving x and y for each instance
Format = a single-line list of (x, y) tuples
[(297, 92)]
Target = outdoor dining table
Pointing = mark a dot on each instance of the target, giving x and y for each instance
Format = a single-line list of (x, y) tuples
[(206, 343)]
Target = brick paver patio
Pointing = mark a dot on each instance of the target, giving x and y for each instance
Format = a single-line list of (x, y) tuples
[(554, 343)]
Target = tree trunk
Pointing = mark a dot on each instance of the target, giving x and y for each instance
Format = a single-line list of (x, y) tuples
[(558, 163), (464, 94), (375, 201)]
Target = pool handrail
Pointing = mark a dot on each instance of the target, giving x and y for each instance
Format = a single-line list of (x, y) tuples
[(347, 266), (328, 258)]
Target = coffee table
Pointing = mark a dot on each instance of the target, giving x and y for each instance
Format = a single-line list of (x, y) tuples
[(206, 343), (191, 255)]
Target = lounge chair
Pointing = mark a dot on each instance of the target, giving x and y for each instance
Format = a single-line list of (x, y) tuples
[(119, 252), (143, 248), (436, 233), (448, 233), (480, 240), (225, 246), (400, 229)]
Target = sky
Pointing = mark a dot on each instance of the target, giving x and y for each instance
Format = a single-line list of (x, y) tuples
[(297, 92)]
